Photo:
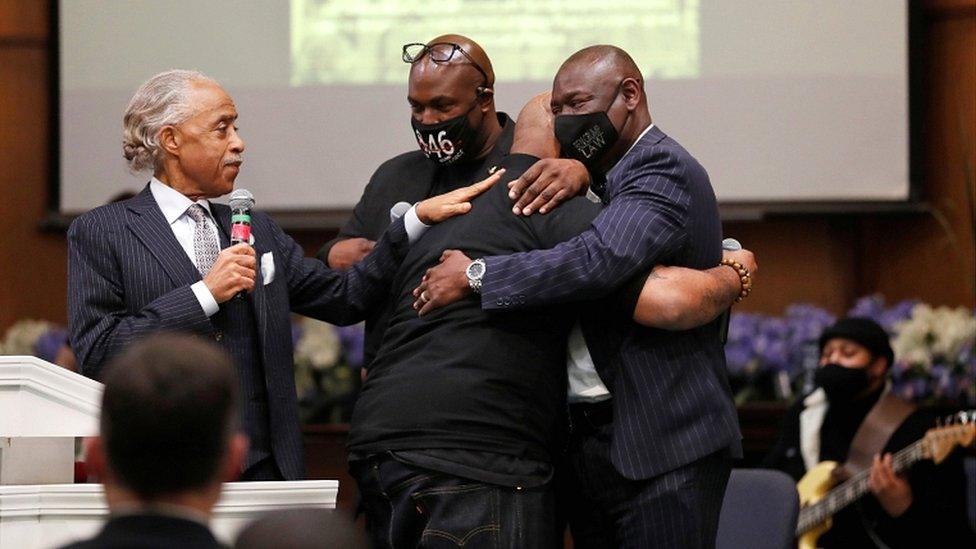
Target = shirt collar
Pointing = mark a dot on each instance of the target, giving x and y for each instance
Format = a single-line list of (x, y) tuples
[(172, 202)]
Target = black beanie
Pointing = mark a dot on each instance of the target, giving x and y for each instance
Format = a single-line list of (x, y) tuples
[(864, 331)]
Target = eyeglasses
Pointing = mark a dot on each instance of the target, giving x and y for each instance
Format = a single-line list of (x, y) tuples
[(440, 52)]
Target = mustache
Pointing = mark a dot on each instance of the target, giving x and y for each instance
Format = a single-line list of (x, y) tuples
[(235, 161)]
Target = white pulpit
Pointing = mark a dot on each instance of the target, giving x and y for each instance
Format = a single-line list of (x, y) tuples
[(40, 403)]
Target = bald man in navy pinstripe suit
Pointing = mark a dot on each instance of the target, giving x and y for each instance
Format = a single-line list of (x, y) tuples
[(161, 261), (651, 455)]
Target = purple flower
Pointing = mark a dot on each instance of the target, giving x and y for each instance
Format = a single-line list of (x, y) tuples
[(296, 333), (897, 313), (740, 352), (873, 307), (870, 306), (50, 342), (772, 344), (352, 339), (738, 357)]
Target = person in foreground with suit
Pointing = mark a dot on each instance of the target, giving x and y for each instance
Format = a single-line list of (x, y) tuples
[(161, 261), (168, 438), (652, 443)]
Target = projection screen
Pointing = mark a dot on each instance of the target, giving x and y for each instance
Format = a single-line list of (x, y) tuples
[(780, 100)]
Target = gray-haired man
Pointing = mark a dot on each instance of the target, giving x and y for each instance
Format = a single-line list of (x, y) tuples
[(161, 261)]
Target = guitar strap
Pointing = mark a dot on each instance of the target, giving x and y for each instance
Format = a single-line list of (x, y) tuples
[(878, 426)]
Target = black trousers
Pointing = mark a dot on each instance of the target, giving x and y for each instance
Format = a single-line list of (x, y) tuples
[(677, 509), (406, 506), (265, 469)]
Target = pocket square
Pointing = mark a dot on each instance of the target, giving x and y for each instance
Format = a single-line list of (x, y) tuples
[(267, 267)]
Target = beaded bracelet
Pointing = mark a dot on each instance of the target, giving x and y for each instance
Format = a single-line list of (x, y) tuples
[(744, 278)]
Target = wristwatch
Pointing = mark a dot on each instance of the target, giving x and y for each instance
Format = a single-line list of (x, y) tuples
[(475, 272)]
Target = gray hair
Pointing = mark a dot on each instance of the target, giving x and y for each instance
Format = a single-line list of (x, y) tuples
[(163, 100)]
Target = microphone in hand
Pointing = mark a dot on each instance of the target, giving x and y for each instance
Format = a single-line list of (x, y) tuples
[(728, 245), (241, 202)]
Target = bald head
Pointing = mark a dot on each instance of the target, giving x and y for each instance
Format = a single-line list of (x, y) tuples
[(473, 49), (463, 67), (603, 62), (534, 132)]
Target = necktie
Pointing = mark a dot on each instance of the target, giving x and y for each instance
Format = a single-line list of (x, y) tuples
[(205, 246)]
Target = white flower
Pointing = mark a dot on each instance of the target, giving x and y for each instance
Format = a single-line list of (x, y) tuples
[(957, 331), (934, 335), (22, 337), (319, 345)]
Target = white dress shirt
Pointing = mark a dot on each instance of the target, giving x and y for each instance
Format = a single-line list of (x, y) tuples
[(174, 205), (414, 226), (585, 384)]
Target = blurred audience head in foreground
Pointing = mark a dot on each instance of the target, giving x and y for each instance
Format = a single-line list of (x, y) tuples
[(168, 431)]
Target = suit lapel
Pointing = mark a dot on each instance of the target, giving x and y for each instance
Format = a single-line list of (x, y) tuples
[(151, 228)]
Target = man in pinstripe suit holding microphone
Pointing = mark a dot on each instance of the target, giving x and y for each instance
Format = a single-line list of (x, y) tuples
[(161, 261), (653, 440)]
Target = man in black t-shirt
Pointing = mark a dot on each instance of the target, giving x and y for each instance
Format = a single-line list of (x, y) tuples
[(460, 135), (460, 419)]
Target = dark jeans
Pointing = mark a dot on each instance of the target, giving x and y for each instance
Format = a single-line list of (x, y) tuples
[(677, 509), (407, 506)]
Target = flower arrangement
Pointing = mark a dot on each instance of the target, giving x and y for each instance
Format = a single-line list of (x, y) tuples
[(935, 350), (38, 338), (327, 364)]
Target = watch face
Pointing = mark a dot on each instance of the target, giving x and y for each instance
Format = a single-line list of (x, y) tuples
[(476, 270)]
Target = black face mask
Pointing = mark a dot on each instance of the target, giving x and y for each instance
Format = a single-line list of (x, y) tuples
[(841, 384), (586, 137), (446, 142)]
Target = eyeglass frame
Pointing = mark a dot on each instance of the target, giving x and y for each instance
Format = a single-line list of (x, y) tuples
[(454, 47)]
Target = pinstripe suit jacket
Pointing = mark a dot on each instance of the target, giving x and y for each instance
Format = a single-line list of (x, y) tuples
[(672, 402), (128, 276)]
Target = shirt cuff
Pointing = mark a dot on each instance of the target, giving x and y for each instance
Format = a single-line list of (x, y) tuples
[(206, 299), (414, 226)]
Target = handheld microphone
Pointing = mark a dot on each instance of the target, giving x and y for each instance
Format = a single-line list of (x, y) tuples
[(241, 202), (399, 210), (729, 245)]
